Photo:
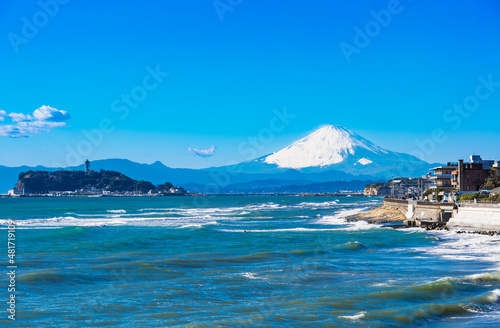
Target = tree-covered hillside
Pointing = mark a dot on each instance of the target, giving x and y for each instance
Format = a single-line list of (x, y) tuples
[(43, 182)]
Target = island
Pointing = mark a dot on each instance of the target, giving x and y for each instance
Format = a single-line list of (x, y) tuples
[(88, 183)]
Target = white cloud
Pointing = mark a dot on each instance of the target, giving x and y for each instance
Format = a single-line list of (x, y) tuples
[(24, 126), (47, 113), (203, 152), (18, 117), (6, 130)]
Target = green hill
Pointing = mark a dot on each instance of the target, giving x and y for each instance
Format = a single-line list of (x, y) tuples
[(39, 182)]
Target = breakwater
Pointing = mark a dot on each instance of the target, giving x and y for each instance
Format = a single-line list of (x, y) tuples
[(470, 217), (476, 218)]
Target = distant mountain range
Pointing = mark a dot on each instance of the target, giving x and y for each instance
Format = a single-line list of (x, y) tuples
[(207, 180), (330, 154), (287, 186), (335, 148)]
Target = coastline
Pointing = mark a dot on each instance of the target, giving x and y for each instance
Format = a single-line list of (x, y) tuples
[(392, 217), (351, 194)]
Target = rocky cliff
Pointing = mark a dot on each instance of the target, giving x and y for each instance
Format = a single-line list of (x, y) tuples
[(377, 189)]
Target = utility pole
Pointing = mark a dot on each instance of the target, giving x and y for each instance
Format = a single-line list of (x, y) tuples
[(392, 188), (418, 189)]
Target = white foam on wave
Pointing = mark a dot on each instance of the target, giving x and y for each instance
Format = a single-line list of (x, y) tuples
[(278, 230), (465, 247), (117, 211), (249, 275), (339, 218), (69, 221), (361, 225), (198, 225), (144, 214), (243, 210), (354, 317), (318, 204), (388, 283), (86, 215), (483, 276), (494, 296)]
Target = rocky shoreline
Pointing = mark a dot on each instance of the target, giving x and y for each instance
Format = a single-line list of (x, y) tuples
[(383, 214), (391, 217)]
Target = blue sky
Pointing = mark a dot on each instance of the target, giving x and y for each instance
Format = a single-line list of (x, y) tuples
[(199, 74)]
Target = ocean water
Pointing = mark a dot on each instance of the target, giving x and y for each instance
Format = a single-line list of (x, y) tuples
[(246, 261)]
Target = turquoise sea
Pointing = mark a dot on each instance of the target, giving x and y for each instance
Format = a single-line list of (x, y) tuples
[(239, 261)]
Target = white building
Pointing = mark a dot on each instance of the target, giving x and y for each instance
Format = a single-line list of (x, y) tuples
[(14, 192), (487, 163)]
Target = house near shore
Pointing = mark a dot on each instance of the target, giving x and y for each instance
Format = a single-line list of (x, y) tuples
[(462, 177), (442, 177), (471, 176)]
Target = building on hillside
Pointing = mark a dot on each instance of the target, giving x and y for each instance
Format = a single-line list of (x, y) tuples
[(87, 166), (487, 163), (14, 192), (442, 177), (470, 176), (497, 164), (176, 191)]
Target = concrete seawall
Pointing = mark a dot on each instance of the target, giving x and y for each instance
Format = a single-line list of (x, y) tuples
[(476, 218), (471, 217), (415, 210)]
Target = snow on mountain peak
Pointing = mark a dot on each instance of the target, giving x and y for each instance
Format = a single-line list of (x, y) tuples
[(364, 161), (330, 144)]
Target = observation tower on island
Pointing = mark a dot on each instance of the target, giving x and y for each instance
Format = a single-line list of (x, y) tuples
[(87, 166)]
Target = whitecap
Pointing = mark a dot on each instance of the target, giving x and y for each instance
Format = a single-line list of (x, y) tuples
[(278, 230), (117, 211), (249, 275), (354, 317), (339, 217)]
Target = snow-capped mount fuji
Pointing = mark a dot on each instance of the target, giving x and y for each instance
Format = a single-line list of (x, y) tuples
[(331, 144), (333, 147)]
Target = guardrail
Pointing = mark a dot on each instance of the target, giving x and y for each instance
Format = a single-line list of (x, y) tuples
[(478, 204), (394, 201)]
